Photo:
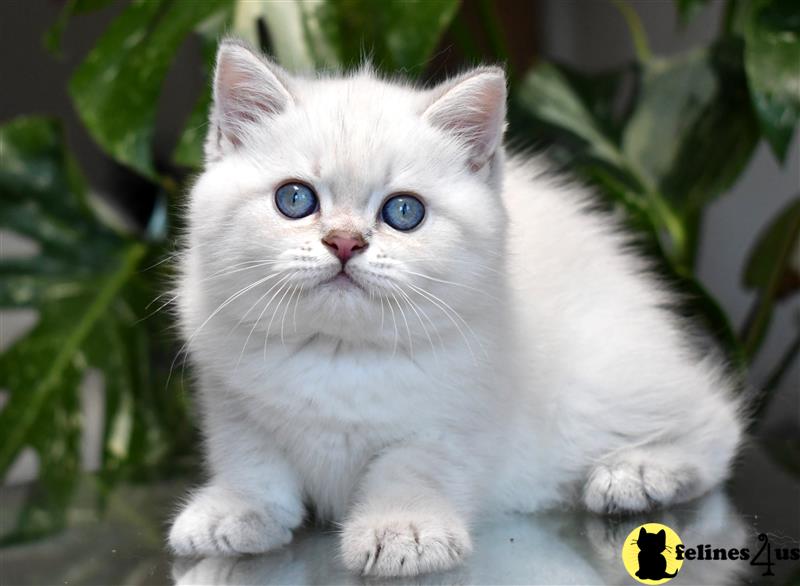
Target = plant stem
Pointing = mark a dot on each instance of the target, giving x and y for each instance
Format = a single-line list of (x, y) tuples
[(638, 35), (784, 364), (757, 321), (693, 222), (729, 17)]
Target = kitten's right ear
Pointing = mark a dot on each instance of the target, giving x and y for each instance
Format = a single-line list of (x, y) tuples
[(472, 107), (247, 89)]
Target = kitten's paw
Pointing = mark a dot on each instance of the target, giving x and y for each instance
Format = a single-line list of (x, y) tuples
[(218, 523), (633, 486), (403, 543)]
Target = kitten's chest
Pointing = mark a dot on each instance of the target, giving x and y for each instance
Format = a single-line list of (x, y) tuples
[(331, 410), (329, 460), (327, 386), (330, 444), (332, 413)]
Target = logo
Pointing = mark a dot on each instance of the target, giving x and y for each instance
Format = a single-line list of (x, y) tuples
[(654, 554), (649, 553)]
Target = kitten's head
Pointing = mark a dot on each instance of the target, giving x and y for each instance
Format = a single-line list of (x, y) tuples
[(354, 201)]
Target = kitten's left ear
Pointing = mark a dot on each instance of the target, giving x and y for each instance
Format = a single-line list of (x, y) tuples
[(472, 107), (247, 90)]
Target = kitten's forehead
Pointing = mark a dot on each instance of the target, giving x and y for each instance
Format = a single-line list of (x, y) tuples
[(361, 93), (359, 134)]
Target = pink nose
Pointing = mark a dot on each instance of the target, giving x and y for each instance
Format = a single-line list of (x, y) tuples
[(344, 244)]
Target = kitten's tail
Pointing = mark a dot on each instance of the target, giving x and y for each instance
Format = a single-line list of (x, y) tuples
[(668, 575)]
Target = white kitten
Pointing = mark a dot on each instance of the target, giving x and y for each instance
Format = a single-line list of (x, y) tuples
[(486, 342)]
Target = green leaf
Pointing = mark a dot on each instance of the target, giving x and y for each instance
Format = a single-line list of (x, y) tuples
[(696, 103), (396, 35), (687, 9), (547, 94), (641, 44), (607, 95), (52, 38), (354, 28), (725, 131), (115, 90), (73, 282), (775, 249), (189, 151), (773, 268), (693, 129), (772, 59), (59, 448)]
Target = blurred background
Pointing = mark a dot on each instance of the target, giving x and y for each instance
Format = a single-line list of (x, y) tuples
[(682, 114)]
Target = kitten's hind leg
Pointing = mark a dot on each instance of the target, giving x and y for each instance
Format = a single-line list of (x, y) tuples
[(684, 456), (643, 479)]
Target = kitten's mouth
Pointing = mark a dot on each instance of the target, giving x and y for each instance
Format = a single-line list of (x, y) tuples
[(342, 280)]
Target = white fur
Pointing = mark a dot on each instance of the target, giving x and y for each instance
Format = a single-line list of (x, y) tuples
[(510, 353)]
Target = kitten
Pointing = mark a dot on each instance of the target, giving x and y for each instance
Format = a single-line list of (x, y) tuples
[(400, 329)]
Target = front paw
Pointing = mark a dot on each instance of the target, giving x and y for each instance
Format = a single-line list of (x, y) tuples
[(634, 486), (403, 543), (218, 522)]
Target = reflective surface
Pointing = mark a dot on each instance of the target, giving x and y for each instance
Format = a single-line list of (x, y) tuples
[(125, 546)]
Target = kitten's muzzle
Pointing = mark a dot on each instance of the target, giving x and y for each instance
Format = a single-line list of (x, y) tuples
[(344, 244)]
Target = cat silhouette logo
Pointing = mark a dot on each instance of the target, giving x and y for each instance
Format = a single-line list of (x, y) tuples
[(649, 554)]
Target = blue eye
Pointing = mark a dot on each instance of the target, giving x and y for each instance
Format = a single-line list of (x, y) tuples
[(403, 212), (296, 200)]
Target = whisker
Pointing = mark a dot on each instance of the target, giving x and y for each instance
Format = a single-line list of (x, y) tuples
[(396, 333), (296, 303), (450, 261), (442, 306), (157, 309), (286, 310), (157, 297), (226, 272), (458, 315), (274, 313), (416, 311), (446, 282), (219, 274), (252, 307), (221, 306), (382, 312), (260, 315), (214, 276), (408, 330), (167, 257)]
